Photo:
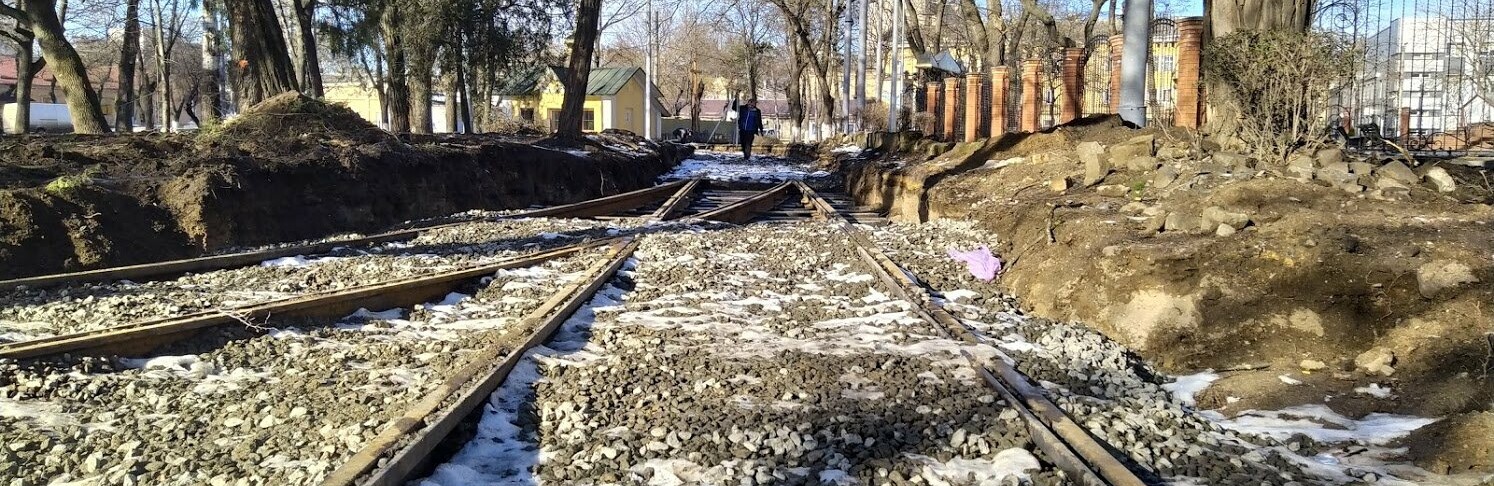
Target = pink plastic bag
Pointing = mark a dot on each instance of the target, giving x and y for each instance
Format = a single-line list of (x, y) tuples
[(982, 264)]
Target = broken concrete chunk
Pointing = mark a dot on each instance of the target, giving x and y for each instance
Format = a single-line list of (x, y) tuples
[(1177, 221), (1302, 167), (1338, 175), (1441, 179), (1172, 152), (1214, 215), (1434, 277), (1329, 156), (1164, 177), (1059, 185), (1312, 365), (1224, 230), (1112, 190), (1376, 360), (1140, 146), (1232, 161), (1361, 168), (1133, 207), (1143, 164), (1398, 172)]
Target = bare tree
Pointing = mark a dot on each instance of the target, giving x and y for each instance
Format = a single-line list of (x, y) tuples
[(124, 106), (168, 27), (43, 21)]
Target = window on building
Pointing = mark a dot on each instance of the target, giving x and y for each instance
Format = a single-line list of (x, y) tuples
[(1167, 63), (527, 114), (589, 120)]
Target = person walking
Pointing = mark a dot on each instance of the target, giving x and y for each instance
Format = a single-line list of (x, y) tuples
[(749, 125)]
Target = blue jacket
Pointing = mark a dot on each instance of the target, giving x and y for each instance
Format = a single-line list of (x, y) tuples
[(749, 119)]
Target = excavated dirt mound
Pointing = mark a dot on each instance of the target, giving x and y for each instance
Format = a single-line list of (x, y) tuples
[(1333, 285), (292, 168)]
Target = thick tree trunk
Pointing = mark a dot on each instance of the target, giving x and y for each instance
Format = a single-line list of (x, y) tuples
[(1226, 16), (311, 66), (794, 94), (261, 58), (399, 92), (450, 80), (25, 57), (210, 104), (571, 113), (67, 66), (124, 106), (422, 70)]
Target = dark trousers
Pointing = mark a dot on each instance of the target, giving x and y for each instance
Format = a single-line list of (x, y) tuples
[(745, 138)]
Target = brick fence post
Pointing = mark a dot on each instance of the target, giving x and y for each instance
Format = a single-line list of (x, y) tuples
[(1073, 84), (1032, 102), (1000, 87), (973, 95), (1405, 128), (932, 99), (1116, 42), (1190, 57), (951, 129)]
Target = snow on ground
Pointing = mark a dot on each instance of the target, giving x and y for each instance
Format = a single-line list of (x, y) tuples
[(722, 166), (1322, 424), (1186, 386)]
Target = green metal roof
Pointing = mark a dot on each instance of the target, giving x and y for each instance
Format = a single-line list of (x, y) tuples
[(605, 81)]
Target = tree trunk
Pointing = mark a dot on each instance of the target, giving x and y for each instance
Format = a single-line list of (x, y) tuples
[(163, 68), (466, 100), (124, 107), (792, 91), (210, 104), (450, 80), (1225, 17), (913, 29), (67, 66), (311, 66), (262, 66), (399, 92), (422, 69), (571, 113)]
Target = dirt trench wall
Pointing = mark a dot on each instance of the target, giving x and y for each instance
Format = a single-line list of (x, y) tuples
[(240, 201), (1319, 275)]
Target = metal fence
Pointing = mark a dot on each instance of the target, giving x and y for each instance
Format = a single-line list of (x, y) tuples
[(1424, 73)]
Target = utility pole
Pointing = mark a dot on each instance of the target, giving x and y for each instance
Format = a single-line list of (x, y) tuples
[(648, 75), (861, 67), (1138, 20), (896, 99)]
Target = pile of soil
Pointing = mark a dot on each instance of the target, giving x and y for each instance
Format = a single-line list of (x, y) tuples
[(289, 169), (1335, 286)]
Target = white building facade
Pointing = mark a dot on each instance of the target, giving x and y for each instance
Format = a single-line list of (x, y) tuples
[(1438, 68)]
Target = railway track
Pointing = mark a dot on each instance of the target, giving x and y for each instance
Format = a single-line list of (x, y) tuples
[(404, 443)]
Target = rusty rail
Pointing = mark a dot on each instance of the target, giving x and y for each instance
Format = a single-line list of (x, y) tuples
[(1071, 448), (743, 211)]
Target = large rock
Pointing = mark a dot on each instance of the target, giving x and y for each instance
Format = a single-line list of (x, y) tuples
[(1233, 162), (1302, 167), (1396, 171), (1096, 163), (1164, 177), (1214, 216), (1145, 163), (1139, 146), (1441, 179), (1329, 156), (1434, 277), (1338, 175), (1377, 360)]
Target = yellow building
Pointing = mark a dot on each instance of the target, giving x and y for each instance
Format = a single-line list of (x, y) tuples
[(362, 99), (614, 98)]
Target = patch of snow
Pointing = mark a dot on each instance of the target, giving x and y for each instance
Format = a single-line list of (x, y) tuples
[(296, 261), (1322, 424), (1183, 388), (1374, 390), (731, 167), (846, 149), (363, 314), (168, 363), (1009, 462), (836, 477)]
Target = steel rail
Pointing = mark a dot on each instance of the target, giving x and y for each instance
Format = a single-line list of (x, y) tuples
[(680, 200), (157, 270), (744, 210), (1072, 448), (143, 336), (404, 447)]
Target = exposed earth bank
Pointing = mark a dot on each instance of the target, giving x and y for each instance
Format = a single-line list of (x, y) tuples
[(291, 168), (1359, 282)]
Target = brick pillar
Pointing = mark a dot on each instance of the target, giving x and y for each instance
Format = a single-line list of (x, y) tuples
[(950, 130), (931, 105), (1073, 85), (1116, 42), (1190, 55), (1347, 122), (973, 111), (1405, 128), (1000, 86), (1032, 103)]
